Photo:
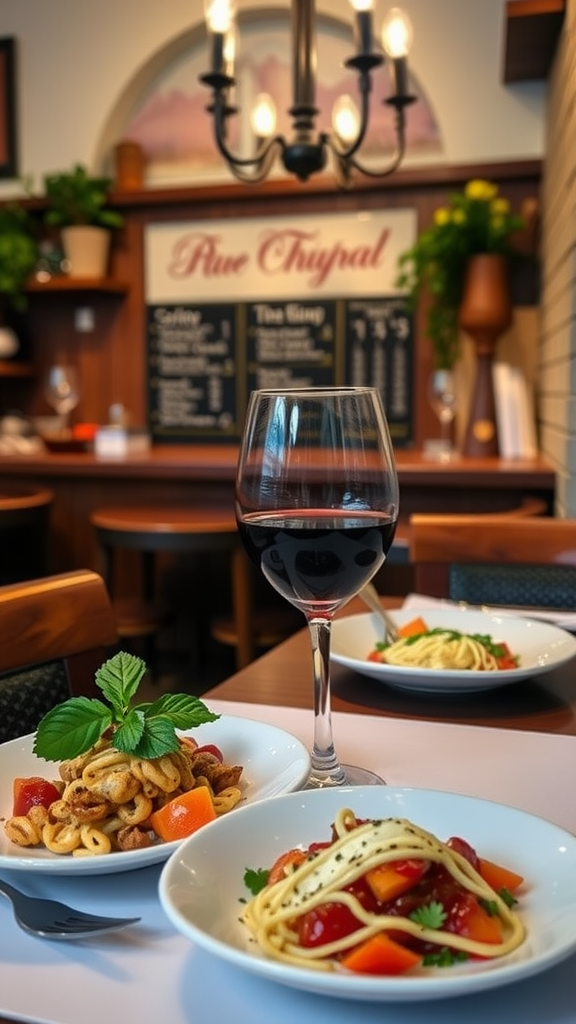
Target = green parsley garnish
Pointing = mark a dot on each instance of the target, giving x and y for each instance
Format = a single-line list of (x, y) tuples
[(431, 915), (444, 957), (146, 730), (507, 897), (255, 879)]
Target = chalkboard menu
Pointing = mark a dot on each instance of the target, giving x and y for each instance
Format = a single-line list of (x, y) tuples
[(285, 304), (193, 373), (204, 360)]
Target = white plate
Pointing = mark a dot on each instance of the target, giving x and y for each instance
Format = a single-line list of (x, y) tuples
[(541, 647), (202, 883), (274, 763)]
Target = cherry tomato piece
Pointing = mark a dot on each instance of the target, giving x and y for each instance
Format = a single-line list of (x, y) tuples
[(32, 792), (211, 748), (326, 923), (464, 848)]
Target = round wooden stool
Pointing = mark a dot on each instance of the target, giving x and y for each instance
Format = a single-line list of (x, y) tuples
[(24, 520), (150, 530)]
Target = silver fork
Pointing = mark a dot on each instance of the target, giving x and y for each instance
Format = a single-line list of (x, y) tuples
[(370, 596), (53, 920)]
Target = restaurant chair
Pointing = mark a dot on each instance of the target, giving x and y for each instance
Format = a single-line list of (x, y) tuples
[(204, 528), (495, 559), (56, 632)]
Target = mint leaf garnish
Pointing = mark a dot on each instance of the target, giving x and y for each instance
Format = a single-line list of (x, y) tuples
[(183, 710), (119, 679), (129, 734), (146, 729), (71, 728)]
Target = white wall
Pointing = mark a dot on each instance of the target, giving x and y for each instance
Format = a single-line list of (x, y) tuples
[(76, 59)]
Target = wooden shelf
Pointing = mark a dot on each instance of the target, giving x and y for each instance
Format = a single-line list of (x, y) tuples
[(10, 368), (77, 284), (532, 31)]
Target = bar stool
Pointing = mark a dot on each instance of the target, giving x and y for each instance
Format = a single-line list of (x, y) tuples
[(24, 520), (150, 530)]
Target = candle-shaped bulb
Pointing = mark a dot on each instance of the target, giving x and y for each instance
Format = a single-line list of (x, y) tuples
[(345, 119), (396, 33), (219, 15), (263, 116)]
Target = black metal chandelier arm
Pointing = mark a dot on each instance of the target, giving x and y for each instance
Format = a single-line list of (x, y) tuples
[(260, 163), (261, 170), (395, 158)]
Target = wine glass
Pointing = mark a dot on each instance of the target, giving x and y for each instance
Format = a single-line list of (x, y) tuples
[(62, 391), (317, 505), (443, 399)]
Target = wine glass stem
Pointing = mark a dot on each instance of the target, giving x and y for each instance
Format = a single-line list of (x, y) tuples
[(326, 769)]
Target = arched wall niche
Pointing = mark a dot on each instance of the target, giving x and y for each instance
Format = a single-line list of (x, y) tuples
[(163, 107)]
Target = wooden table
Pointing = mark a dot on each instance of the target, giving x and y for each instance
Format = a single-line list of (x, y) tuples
[(283, 676)]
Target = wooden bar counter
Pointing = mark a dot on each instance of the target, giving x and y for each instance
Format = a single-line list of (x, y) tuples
[(178, 474)]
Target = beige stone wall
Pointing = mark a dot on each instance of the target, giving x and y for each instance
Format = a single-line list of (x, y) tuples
[(556, 374)]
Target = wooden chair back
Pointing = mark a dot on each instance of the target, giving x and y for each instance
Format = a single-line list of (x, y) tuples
[(436, 541), (67, 618)]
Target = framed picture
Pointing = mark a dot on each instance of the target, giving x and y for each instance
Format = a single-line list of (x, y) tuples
[(8, 161)]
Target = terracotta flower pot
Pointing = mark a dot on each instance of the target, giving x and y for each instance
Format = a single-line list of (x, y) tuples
[(485, 313)]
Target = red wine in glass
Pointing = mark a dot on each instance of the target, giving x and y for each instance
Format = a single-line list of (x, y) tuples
[(317, 504), (316, 561)]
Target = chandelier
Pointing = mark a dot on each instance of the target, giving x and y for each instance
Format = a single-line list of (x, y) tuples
[(305, 152)]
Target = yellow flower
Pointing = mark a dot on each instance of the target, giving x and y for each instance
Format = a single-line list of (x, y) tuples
[(441, 216), (500, 206), (476, 220), (480, 189)]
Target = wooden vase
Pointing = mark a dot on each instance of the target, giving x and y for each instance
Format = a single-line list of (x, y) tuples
[(485, 313)]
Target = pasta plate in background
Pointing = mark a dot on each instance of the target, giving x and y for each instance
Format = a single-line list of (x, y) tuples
[(540, 647)]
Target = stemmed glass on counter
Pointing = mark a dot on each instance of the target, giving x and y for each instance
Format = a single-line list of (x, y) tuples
[(62, 391), (444, 400), (317, 506)]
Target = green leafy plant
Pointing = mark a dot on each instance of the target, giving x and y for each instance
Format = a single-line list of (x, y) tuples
[(475, 222), (146, 730), (73, 197), (19, 253)]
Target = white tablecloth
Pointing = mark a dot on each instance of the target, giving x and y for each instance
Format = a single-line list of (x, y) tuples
[(148, 973)]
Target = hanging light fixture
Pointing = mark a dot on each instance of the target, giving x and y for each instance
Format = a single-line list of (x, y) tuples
[(305, 151)]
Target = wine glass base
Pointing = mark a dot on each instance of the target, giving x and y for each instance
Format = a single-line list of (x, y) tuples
[(354, 776)]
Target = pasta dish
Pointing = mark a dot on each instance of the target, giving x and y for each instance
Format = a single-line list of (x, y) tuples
[(107, 800), (446, 649), (381, 897)]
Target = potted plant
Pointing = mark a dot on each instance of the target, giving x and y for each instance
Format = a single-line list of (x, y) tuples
[(476, 222), (18, 254), (77, 205)]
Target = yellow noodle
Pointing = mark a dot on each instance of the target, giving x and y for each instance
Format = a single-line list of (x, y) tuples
[(441, 651), (323, 876)]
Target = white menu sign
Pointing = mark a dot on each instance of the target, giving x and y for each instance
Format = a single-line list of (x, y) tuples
[(276, 258)]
